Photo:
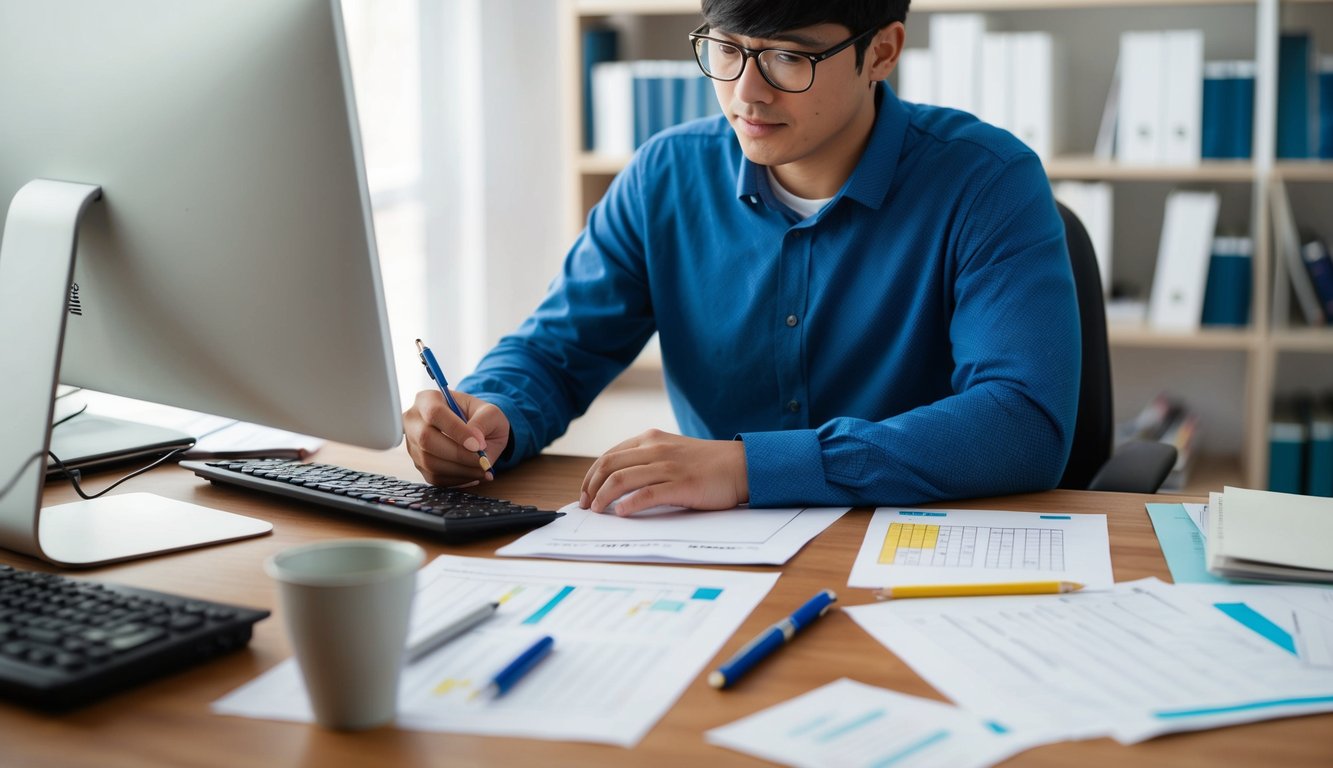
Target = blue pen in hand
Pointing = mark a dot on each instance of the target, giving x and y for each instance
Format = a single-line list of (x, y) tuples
[(771, 639), (433, 369), (516, 669)]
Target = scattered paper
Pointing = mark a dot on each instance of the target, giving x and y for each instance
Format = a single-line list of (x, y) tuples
[(628, 641), (937, 546), (1199, 514), (672, 535), (215, 436), (848, 723), (1144, 659)]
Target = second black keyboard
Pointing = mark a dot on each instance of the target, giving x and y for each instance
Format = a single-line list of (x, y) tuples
[(65, 642), (443, 511)]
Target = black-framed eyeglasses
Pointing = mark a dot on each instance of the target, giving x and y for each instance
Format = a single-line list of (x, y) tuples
[(790, 71)]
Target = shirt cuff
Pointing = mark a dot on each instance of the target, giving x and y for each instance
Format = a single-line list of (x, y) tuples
[(783, 467)]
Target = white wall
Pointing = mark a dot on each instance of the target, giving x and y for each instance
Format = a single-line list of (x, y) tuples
[(494, 168)]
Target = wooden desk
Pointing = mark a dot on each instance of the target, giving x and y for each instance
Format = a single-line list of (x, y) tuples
[(168, 722)]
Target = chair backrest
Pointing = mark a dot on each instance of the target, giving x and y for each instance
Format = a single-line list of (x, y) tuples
[(1094, 428)]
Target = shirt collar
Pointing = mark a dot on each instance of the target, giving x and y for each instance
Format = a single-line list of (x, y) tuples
[(870, 180)]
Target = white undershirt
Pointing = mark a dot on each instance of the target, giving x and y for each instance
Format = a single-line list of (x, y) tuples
[(803, 206)]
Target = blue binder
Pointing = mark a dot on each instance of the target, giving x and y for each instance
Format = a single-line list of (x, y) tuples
[(599, 45), (1326, 111), (1319, 459), (1286, 449), (1294, 95), (1226, 297)]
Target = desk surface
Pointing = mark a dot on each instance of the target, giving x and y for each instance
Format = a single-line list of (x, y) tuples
[(168, 722)]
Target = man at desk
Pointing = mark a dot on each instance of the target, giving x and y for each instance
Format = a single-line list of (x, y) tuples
[(859, 300)]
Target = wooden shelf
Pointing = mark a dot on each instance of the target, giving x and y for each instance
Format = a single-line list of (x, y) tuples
[(1074, 167), (1303, 340), (1304, 170), (593, 164), (984, 6), (1092, 169), (640, 7), (691, 7), (1141, 336)]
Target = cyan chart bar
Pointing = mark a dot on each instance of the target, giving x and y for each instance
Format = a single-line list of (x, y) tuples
[(550, 606), (929, 741), (1169, 714), (1257, 622), (846, 728)]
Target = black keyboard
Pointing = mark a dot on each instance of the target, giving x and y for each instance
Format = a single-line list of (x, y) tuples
[(442, 511), (66, 642)]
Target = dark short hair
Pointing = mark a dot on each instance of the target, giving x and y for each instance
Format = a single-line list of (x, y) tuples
[(770, 18)]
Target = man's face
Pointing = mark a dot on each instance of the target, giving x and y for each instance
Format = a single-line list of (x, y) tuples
[(775, 127)]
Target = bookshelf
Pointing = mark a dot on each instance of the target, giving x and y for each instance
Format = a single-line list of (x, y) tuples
[(1244, 367)]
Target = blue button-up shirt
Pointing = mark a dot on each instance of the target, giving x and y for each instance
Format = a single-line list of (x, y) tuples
[(915, 340)]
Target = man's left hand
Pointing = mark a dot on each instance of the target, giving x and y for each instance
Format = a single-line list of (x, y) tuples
[(658, 468)]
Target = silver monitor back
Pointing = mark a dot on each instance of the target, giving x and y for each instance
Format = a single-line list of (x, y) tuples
[(205, 157), (230, 266)]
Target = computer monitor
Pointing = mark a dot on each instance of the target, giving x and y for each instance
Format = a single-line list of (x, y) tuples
[(187, 211)]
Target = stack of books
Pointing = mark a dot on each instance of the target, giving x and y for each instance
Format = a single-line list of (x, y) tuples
[(1166, 419), (1270, 536), (1300, 445)]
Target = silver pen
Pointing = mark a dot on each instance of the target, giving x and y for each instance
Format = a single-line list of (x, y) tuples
[(449, 631)]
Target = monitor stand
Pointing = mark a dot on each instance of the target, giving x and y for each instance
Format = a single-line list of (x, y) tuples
[(36, 270)]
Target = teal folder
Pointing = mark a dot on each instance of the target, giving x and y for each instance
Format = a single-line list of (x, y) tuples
[(1182, 545)]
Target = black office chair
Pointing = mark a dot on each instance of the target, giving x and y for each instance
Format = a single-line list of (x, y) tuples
[(1137, 467)]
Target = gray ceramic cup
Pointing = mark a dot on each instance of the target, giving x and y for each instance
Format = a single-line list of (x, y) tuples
[(346, 605)]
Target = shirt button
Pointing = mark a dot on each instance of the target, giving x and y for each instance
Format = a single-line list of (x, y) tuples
[(792, 321), (793, 406), (754, 199), (796, 234)]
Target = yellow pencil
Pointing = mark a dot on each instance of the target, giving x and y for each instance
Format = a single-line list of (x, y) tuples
[(971, 590)]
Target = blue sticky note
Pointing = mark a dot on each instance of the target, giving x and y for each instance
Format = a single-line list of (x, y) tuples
[(1182, 545)]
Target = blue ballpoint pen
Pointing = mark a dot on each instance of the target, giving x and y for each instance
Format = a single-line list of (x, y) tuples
[(771, 639), (516, 669), (433, 369)]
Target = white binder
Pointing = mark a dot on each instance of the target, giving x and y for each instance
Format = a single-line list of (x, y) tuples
[(955, 42), (1137, 134), (997, 80), (1182, 107), (1033, 99), (916, 76), (1176, 303)]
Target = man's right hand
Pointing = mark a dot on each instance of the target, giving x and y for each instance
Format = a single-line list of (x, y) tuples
[(443, 447)]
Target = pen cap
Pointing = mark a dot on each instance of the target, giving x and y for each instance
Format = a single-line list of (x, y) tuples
[(814, 608)]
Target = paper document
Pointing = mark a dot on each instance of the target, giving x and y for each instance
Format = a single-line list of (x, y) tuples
[(216, 436), (734, 536), (968, 546), (628, 640), (846, 723), (1296, 619), (1269, 535), (1144, 659)]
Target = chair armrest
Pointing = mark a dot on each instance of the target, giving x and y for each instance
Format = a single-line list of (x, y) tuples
[(1137, 467)]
